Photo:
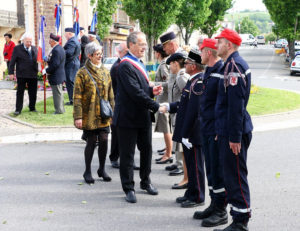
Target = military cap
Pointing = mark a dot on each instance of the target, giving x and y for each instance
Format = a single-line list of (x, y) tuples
[(81, 28), (167, 37), (92, 33), (210, 43), (8, 35), (69, 29), (174, 57), (231, 36), (55, 37), (194, 56), (158, 48)]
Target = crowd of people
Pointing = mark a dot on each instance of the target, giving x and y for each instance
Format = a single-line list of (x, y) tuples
[(198, 101)]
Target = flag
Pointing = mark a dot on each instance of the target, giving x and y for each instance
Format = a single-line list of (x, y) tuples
[(94, 23), (57, 15), (41, 49), (76, 23)]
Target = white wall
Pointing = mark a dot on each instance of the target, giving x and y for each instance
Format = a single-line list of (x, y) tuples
[(8, 5)]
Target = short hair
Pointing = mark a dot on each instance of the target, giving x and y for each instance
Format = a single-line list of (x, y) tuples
[(132, 37), (180, 62), (199, 66), (213, 51), (26, 35), (162, 53), (8, 35), (121, 47), (91, 48)]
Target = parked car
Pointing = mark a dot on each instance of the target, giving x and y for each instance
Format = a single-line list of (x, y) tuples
[(108, 62), (260, 39), (248, 39), (295, 65), (281, 43)]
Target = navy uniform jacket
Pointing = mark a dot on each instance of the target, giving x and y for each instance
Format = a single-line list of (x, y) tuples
[(56, 66), (72, 49), (182, 108), (208, 99), (232, 118), (134, 98), (25, 67)]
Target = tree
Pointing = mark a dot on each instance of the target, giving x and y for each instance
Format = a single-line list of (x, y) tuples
[(154, 16), (193, 14), (247, 26), (218, 9), (105, 9), (285, 14)]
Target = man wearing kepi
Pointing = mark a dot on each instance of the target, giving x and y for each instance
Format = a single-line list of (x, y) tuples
[(56, 73), (234, 127), (72, 49), (132, 116), (216, 213)]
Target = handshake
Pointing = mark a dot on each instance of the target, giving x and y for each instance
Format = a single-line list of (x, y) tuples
[(164, 107)]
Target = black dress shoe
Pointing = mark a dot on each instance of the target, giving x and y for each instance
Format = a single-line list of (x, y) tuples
[(104, 175), (130, 197), (69, 103), (169, 160), (190, 204), (161, 150), (218, 217), (136, 167), (177, 186), (16, 113), (171, 167), (87, 176), (150, 189), (176, 172), (235, 226), (205, 213), (158, 159), (179, 200), (115, 164)]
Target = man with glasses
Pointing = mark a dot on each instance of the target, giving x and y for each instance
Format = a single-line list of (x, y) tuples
[(132, 116)]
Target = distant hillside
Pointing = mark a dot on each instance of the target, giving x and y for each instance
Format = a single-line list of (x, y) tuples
[(261, 19)]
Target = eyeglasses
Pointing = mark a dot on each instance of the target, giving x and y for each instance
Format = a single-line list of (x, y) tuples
[(98, 54), (142, 44)]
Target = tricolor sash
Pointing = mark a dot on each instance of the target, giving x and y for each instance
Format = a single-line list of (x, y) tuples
[(138, 65)]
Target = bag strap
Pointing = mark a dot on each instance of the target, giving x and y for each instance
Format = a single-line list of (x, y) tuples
[(97, 89)]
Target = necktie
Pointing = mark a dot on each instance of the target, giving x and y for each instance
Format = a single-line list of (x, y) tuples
[(29, 52)]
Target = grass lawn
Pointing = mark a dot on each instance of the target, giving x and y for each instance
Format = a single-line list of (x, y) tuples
[(262, 101)]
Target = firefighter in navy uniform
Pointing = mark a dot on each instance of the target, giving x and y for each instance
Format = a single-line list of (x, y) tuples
[(187, 132), (234, 127), (216, 213)]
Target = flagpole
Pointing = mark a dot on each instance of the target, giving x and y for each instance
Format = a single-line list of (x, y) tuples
[(43, 63)]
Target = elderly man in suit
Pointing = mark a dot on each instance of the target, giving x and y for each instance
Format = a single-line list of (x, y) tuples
[(56, 73), (72, 49), (24, 57), (132, 117)]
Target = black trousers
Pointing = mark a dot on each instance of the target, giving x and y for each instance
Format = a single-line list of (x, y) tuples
[(194, 160), (32, 91), (128, 138), (114, 149)]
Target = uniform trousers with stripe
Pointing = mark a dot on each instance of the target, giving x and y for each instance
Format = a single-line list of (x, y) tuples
[(194, 160), (235, 177), (214, 170)]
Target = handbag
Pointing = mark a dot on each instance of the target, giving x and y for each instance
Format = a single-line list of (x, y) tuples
[(106, 111)]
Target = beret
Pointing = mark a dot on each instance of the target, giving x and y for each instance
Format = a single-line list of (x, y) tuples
[(231, 36), (210, 43), (81, 28), (167, 37), (69, 29), (92, 33), (55, 37), (174, 57)]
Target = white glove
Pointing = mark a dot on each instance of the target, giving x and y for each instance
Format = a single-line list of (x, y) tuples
[(167, 105), (186, 143), (44, 72)]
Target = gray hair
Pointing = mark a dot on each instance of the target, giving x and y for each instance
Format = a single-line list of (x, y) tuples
[(132, 37), (91, 48), (121, 47), (26, 35)]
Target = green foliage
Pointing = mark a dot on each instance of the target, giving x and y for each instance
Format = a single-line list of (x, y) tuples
[(285, 14), (105, 9), (193, 14), (247, 26), (155, 16), (270, 37), (218, 9)]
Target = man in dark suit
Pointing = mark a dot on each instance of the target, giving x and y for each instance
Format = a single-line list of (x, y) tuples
[(132, 117), (84, 40), (25, 58), (72, 49), (56, 73)]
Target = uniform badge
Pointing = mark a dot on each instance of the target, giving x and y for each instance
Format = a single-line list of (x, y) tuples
[(233, 80)]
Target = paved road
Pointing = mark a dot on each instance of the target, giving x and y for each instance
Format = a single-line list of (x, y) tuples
[(27, 194)]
